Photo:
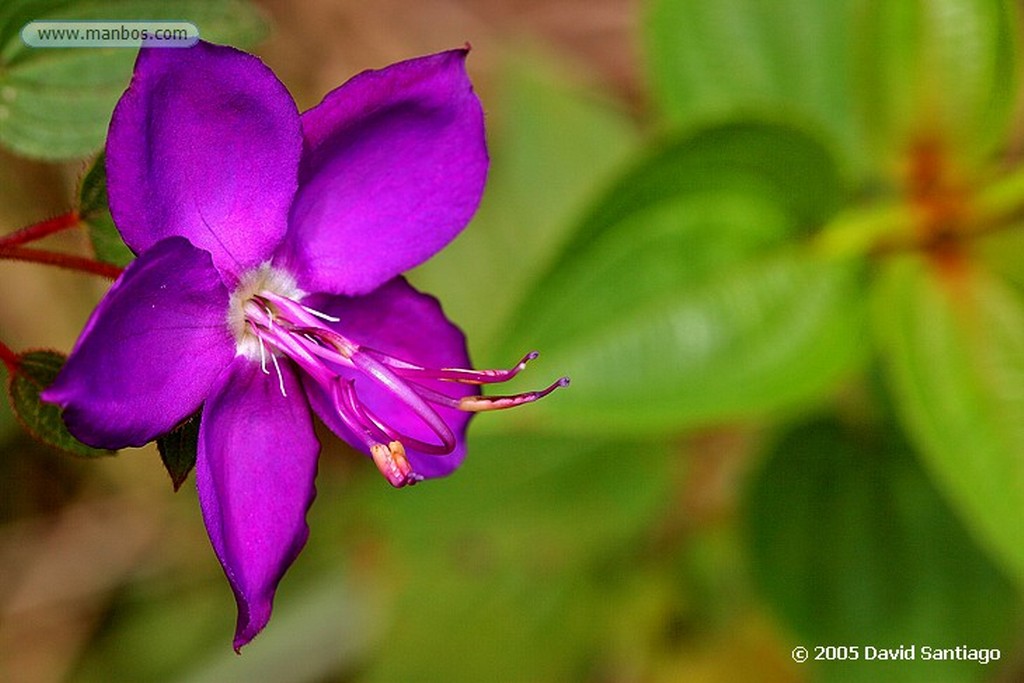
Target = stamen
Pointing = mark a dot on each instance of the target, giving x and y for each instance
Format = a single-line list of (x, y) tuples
[(346, 406), (460, 375), (263, 350), (391, 459), (366, 415), (332, 339), (280, 377), (407, 395), (476, 404), (320, 314), (393, 464)]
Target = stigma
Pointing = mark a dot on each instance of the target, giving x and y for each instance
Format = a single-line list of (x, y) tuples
[(270, 325)]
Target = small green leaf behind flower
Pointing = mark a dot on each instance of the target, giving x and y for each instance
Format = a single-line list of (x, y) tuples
[(35, 371), (178, 449), (94, 212)]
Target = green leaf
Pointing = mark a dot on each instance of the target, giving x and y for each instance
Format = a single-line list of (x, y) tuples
[(685, 295), (945, 71), (852, 545), (8, 423), (526, 541), (551, 145), (716, 59), (178, 450), (890, 72), (94, 211), (36, 371), (56, 103), (953, 339), (1002, 252)]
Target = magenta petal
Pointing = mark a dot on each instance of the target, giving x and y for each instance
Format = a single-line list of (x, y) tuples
[(150, 352), (255, 471), (394, 168), (204, 144), (409, 325)]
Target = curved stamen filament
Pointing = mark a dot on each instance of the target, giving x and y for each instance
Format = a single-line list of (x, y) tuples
[(343, 399), (407, 395), (280, 377), (263, 348), (476, 404), (434, 449), (320, 314), (460, 375), (389, 459)]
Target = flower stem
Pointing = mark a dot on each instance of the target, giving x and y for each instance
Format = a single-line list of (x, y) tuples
[(39, 230), (67, 261), (892, 227), (9, 358), (860, 231)]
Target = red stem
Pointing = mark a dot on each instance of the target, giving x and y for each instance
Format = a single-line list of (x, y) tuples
[(9, 358), (53, 258), (39, 230)]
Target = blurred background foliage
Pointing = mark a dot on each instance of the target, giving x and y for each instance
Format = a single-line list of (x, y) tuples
[(778, 247)]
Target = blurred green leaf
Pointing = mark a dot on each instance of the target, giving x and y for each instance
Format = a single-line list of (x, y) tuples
[(512, 558), (173, 621), (685, 297), (179, 448), (1002, 252), (716, 59), (894, 72), (319, 629), (56, 103), (852, 545), (36, 371), (158, 625), (551, 146), (941, 69), (94, 211), (953, 339)]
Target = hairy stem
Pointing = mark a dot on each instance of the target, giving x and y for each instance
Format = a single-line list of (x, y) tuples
[(39, 230), (52, 258)]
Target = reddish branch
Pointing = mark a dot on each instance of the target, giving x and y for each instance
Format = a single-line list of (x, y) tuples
[(39, 230), (9, 358), (52, 258)]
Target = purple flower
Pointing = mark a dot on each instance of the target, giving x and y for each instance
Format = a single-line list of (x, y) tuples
[(268, 283)]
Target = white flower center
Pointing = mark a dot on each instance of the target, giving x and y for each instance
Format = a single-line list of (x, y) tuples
[(259, 280)]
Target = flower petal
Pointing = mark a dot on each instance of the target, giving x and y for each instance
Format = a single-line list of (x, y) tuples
[(394, 168), (150, 352), (255, 471), (205, 144), (402, 322)]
